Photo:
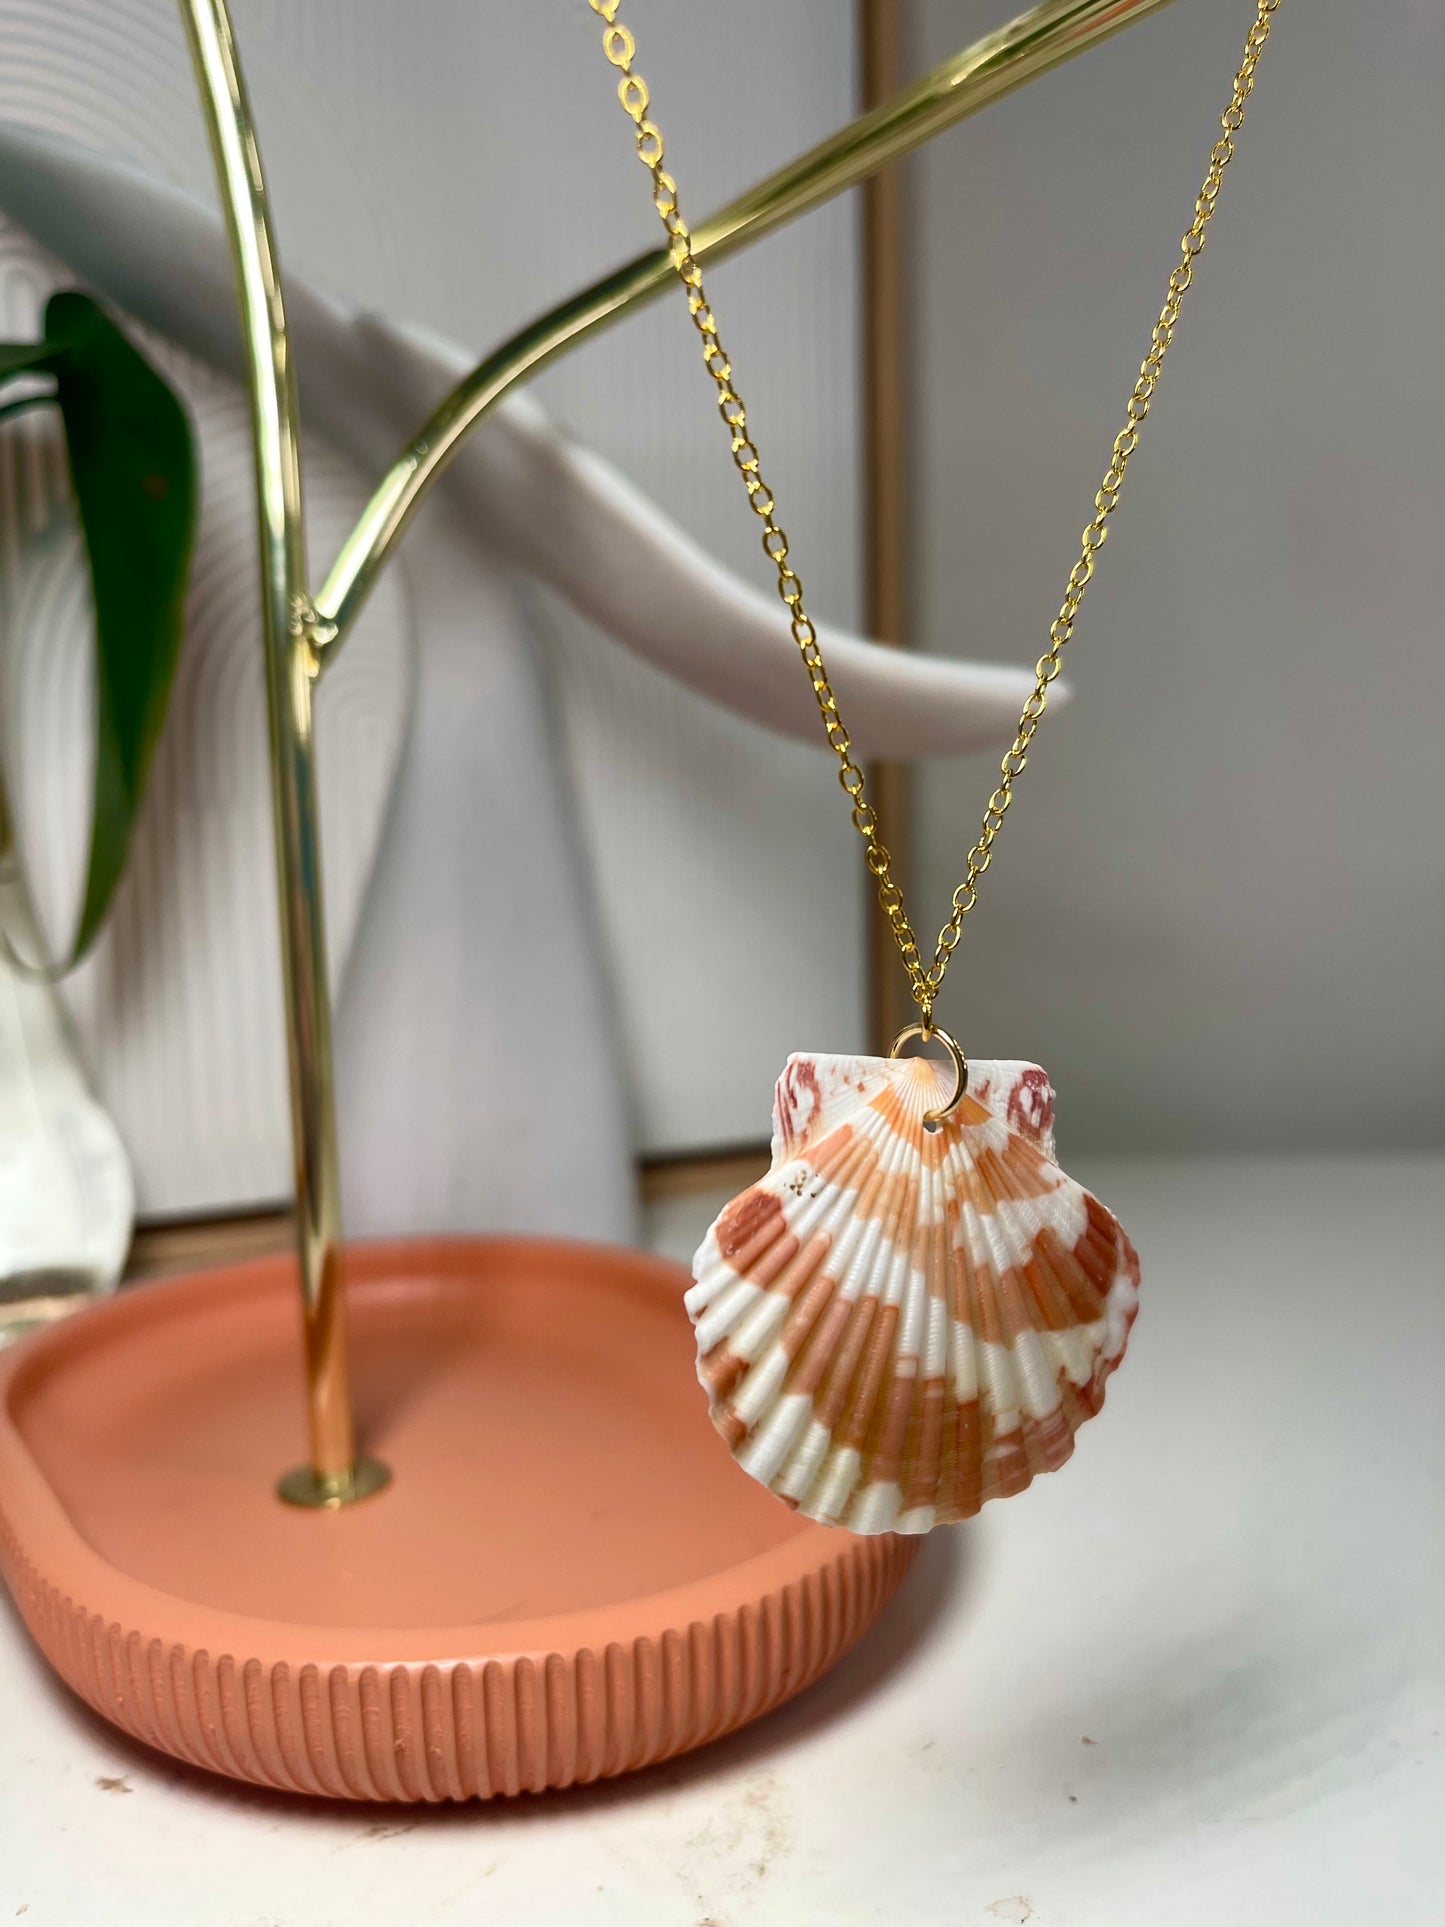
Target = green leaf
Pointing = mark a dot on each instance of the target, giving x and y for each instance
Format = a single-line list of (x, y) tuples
[(133, 470)]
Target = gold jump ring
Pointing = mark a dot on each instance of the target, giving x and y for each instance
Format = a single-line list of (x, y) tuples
[(927, 1032)]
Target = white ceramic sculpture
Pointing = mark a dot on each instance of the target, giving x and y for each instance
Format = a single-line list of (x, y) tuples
[(410, 943)]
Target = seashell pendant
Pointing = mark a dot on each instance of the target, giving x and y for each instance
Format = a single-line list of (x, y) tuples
[(904, 1318)]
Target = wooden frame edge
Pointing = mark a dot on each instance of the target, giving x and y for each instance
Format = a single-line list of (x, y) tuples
[(886, 450)]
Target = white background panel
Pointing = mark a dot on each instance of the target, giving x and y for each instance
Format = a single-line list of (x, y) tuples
[(1216, 913)]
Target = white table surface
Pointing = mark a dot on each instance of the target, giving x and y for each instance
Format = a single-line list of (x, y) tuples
[(1193, 1679)]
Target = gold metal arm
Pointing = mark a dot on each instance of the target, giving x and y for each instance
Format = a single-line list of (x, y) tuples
[(984, 72), (333, 1476)]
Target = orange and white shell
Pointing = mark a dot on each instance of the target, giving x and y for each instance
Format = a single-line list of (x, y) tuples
[(902, 1321)]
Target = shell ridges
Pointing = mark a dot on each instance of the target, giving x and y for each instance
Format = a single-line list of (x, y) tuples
[(899, 1323)]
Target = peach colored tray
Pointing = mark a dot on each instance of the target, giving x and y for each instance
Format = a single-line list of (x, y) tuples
[(567, 1578)]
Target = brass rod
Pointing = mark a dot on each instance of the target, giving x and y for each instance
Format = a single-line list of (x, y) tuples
[(982, 73), (885, 481), (290, 675)]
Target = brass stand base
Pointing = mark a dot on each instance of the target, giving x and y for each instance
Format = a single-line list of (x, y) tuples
[(304, 1485)]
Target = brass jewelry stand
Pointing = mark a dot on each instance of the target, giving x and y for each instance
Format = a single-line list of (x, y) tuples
[(302, 635), (363, 1653)]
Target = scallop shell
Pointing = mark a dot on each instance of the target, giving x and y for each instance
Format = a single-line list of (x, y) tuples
[(902, 1321)]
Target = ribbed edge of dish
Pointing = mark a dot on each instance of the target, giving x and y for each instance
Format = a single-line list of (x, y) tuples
[(470, 1729)]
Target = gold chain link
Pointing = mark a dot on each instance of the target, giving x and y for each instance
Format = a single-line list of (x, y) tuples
[(925, 979)]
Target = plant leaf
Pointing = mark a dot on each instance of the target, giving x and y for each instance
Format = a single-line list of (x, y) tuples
[(133, 470)]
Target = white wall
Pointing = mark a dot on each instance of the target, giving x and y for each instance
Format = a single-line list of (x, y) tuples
[(1216, 909)]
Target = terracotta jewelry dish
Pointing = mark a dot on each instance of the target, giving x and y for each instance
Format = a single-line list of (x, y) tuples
[(567, 1577)]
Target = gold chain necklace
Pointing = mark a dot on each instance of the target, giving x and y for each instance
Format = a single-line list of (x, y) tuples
[(916, 1309), (925, 979)]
